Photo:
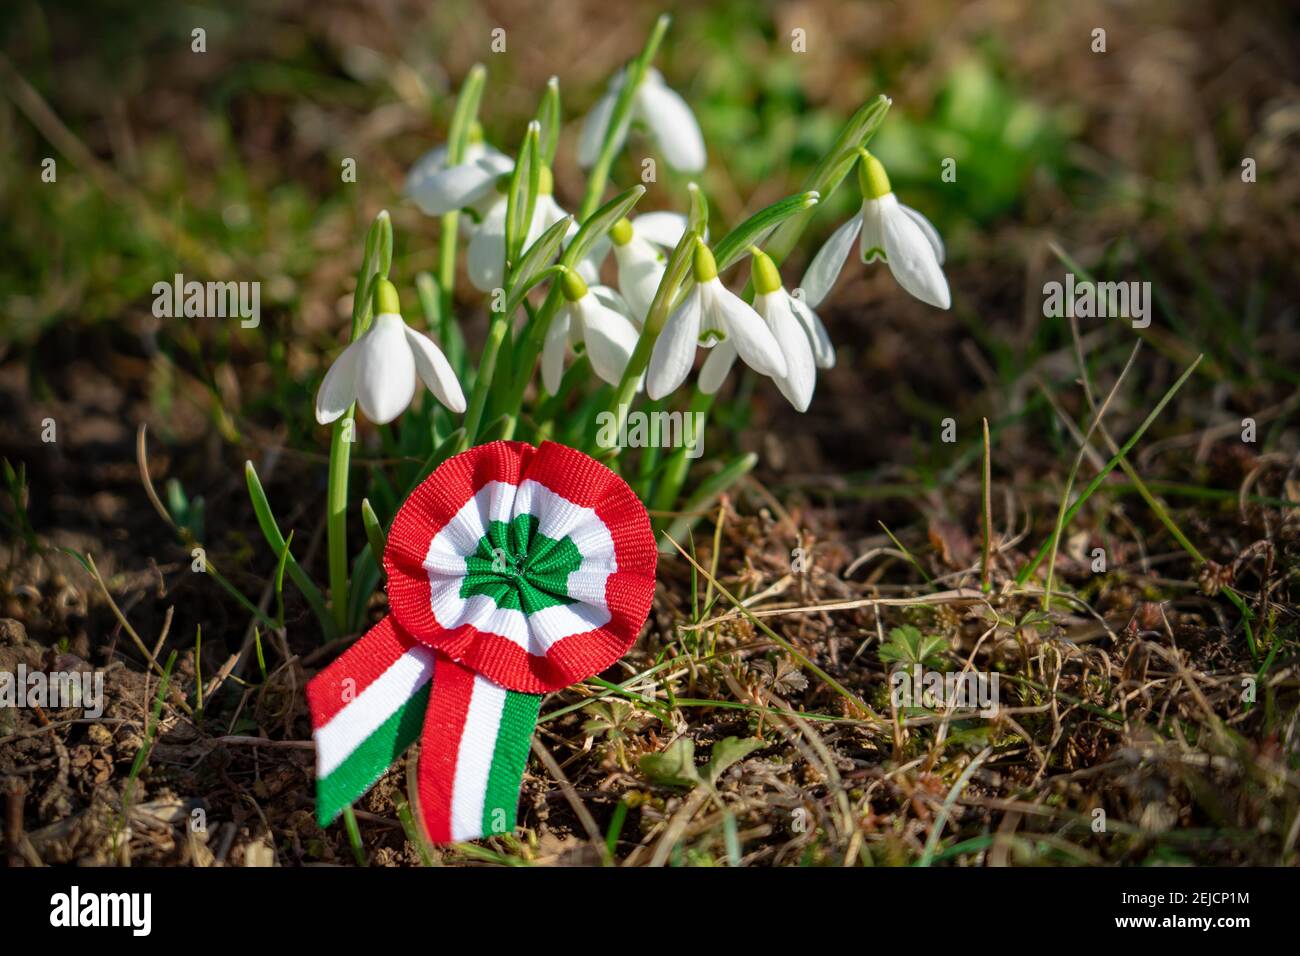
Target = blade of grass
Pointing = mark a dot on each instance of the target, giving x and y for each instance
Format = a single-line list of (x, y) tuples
[(1097, 417), (1029, 568)]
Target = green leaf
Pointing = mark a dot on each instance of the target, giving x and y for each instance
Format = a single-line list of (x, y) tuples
[(697, 220), (830, 171), (755, 229), (548, 118), (462, 118), (908, 646), (529, 272), (675, 767), (728, 751), (271, 531), (374, 531), (599, 223), (81, 559), (521, 198), (279, 579)]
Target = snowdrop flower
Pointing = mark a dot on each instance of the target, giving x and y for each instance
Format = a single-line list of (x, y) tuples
[(798, 331), (710, 314), (487, 250), (898, 234), (593, 317), (378, 371), (638, 246), (438, 188), (665, 114)]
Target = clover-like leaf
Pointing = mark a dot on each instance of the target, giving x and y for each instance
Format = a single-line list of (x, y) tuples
[(907, 645), (728, 751), (675, 767)]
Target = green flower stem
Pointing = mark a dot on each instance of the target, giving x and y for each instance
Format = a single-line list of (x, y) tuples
[(497, 332), (619, 118), (679, 265), (447, 274), (678, 465), (531, 344), (376, 260), (336, 518)]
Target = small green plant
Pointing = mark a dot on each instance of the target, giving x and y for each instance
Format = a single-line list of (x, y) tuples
[(908, 646)]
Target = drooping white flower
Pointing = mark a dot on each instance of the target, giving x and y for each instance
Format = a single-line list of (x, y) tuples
[(710, 315), (798, 332), (485, 258), (438, 188), (379, 370), (592, 317), (664, 113), (639, 252), (898, 234)]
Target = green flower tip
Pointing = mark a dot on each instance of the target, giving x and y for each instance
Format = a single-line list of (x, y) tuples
[(572, 286), (475, 132), (621, 232), (767, 278), (705, 267), (872, 178), (386, 299), (545, 181)]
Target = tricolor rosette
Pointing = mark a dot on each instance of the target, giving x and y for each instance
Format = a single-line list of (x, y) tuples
[(512, 571)]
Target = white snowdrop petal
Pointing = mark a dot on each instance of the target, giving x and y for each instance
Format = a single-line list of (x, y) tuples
[(339, 388), (822, 348), (746, 329), (673, 126), (610, 338), (429, 164), (927, 227), (435, 371), (485, 257), (386, 370), (872, 244), (800, 376), (611, 299), (589, 265), (451, 188), (825, 268), (662, 228), (639, 274), (674, 350), (715, 368), (593, 129), (553, 351), (493, 160), (912, 260)]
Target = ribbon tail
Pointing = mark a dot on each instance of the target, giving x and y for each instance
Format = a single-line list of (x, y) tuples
[(472, 754), (366, 708)]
